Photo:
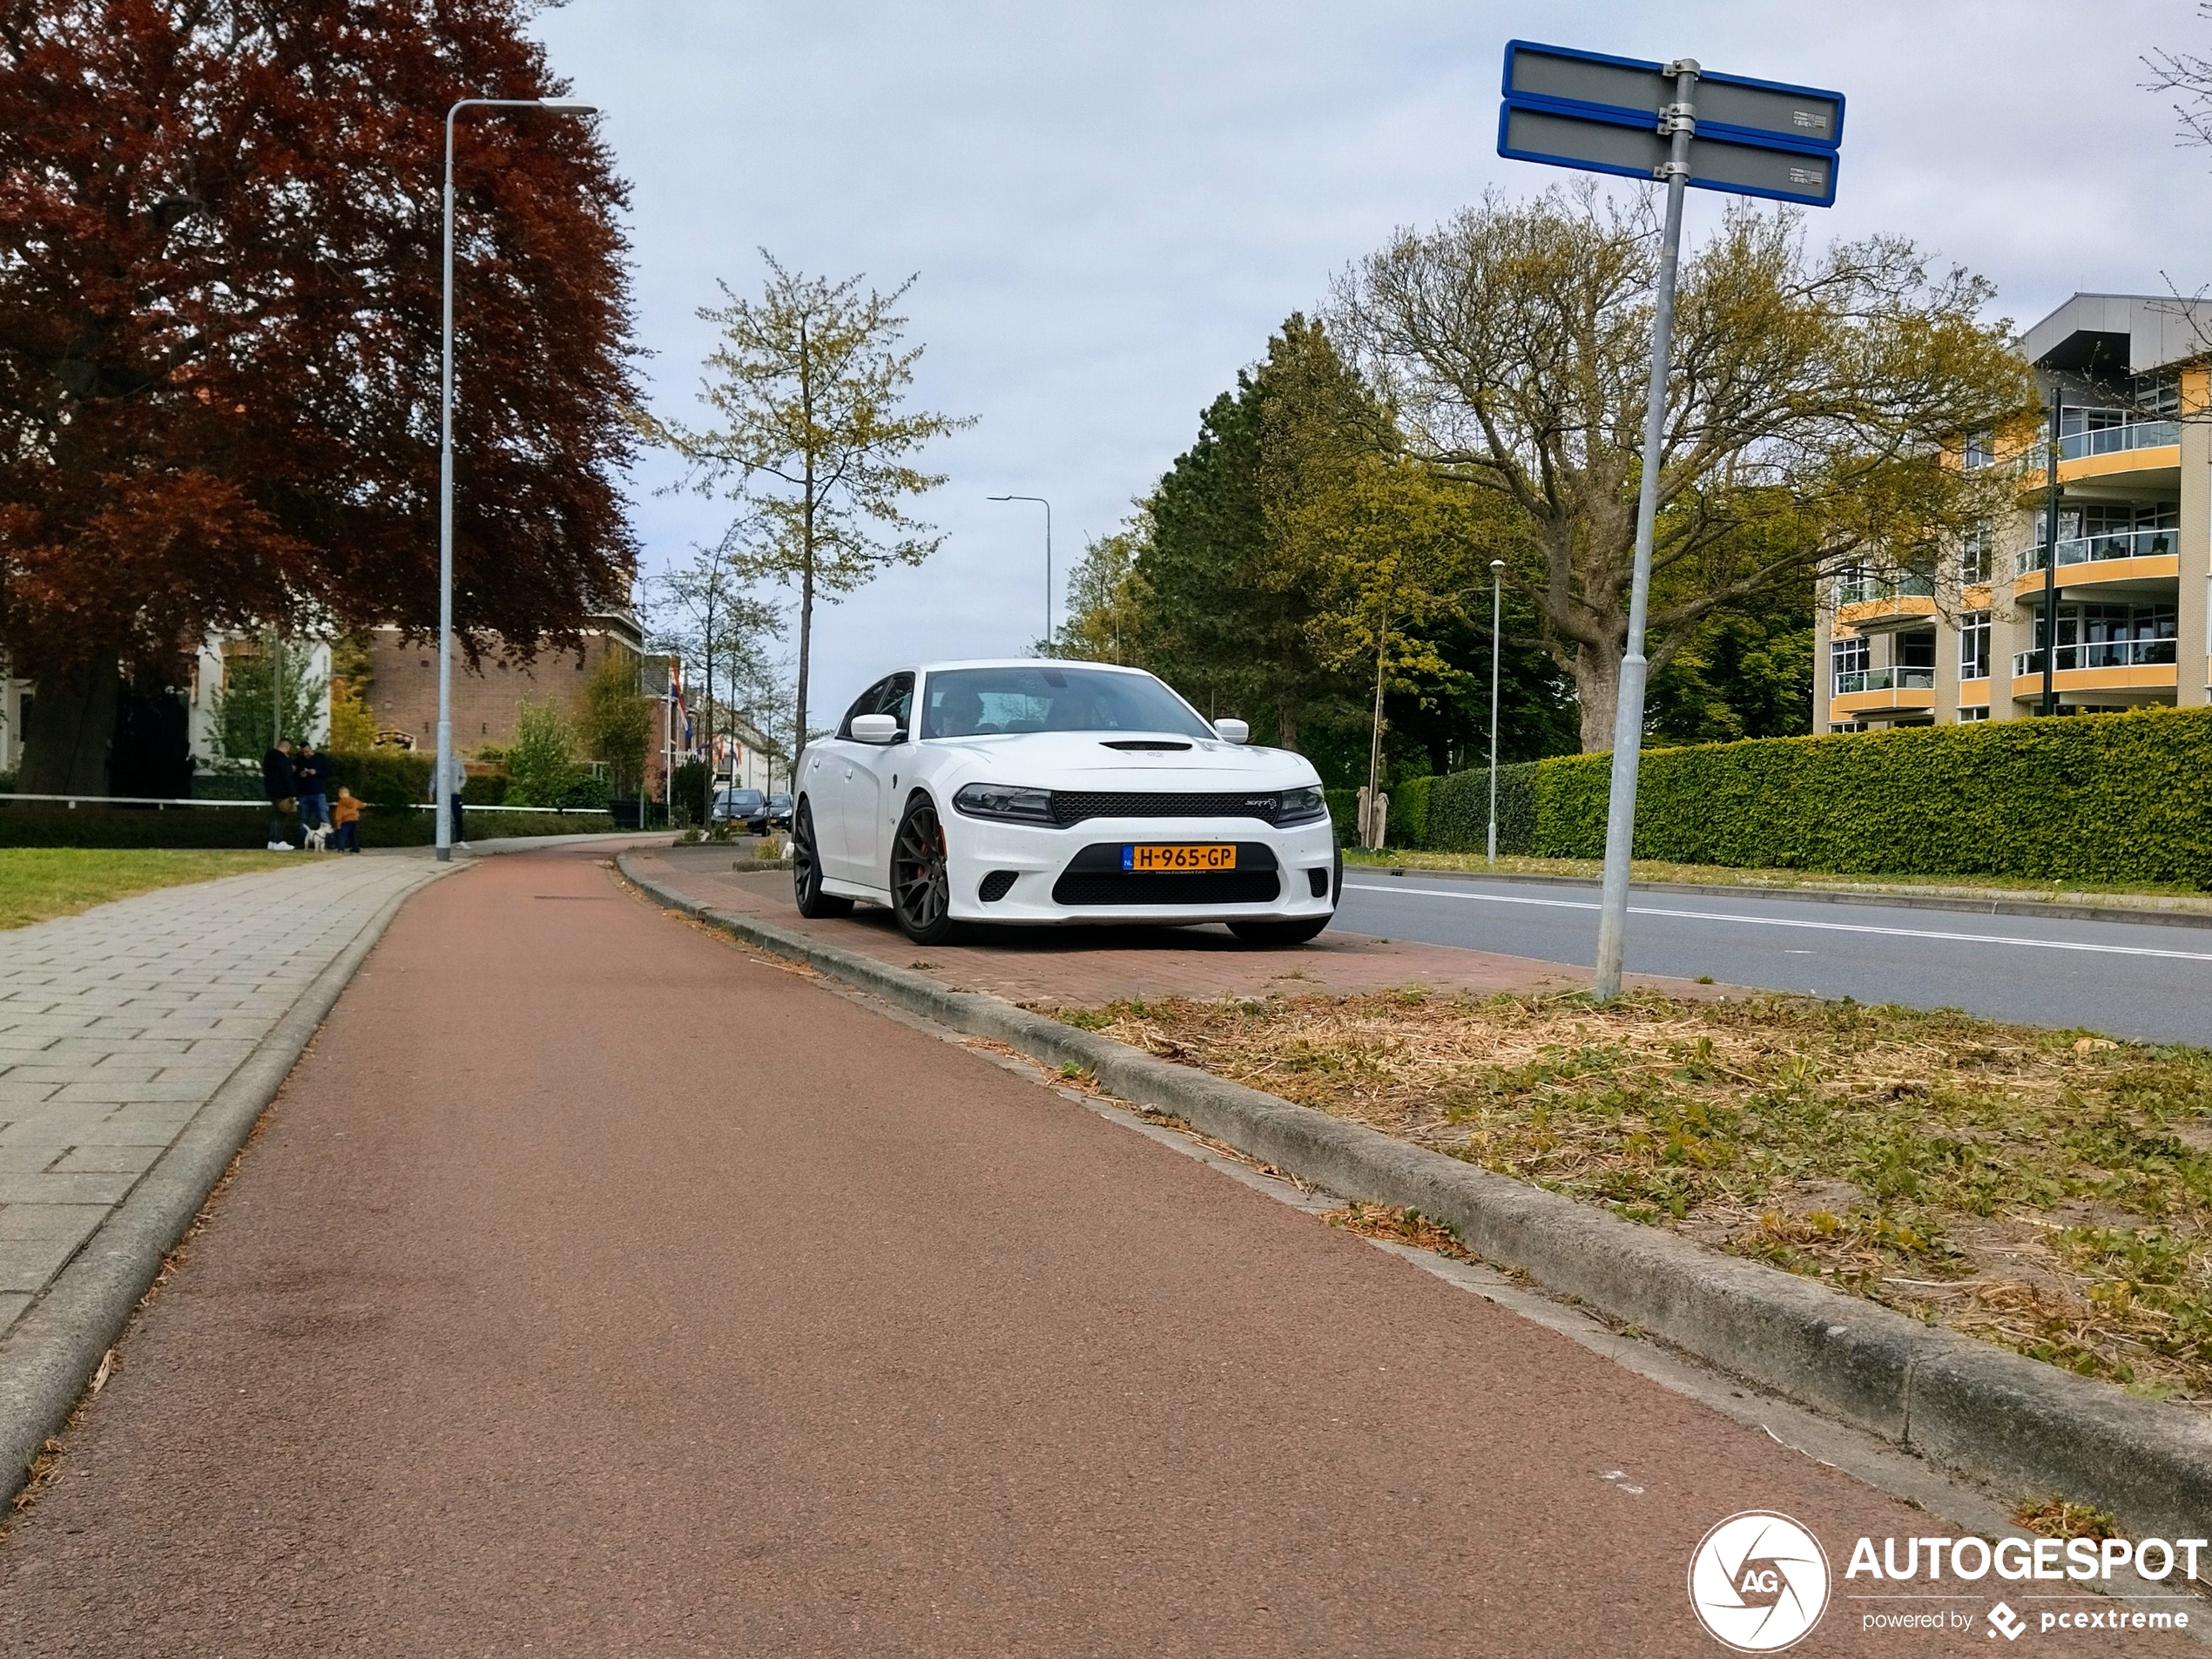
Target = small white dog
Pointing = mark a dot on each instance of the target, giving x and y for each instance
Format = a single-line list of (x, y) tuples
[(317, 839)]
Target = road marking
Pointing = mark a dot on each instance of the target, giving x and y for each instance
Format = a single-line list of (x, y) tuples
[(1784, 921)]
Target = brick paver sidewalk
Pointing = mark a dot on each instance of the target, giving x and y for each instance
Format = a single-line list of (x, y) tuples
[(116, 1025), (1085, 966)]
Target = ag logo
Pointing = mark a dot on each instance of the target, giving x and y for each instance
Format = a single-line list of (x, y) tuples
[(1758, 1583)]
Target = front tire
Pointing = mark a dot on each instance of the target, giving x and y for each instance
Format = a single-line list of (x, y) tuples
[(806, 871), (921, 888), (1279, 935)]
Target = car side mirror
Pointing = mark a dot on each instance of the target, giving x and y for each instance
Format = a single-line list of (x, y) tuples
[(875, 728), (1231, 731)]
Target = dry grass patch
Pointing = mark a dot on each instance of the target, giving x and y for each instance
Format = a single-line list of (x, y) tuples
[(2049, 1191)]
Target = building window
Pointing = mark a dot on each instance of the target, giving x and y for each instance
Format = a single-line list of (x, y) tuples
[(1916, 650), (1846, 725), (1981, 449), (1973, 555), (1973, 646), (1968, 717), (1847, 665), (2160, 393)]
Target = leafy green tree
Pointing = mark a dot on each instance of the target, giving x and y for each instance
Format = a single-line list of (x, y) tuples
[(1109, 602), (244, 707), (616, 722), (1396, 551), (1811, 404), (541, 762), (809, 384), (1234, 572)]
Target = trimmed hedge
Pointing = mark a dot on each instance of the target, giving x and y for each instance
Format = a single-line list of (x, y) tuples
[(227, 827), (2112, 797)]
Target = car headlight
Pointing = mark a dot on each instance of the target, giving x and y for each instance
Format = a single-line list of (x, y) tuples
[(1300, 805), (1008, 801)]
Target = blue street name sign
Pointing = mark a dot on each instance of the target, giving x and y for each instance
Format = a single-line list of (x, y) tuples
[(1599, 113)]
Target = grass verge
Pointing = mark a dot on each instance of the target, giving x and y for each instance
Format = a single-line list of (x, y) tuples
[(2048, 1191), (38, 883), (1655, 871)]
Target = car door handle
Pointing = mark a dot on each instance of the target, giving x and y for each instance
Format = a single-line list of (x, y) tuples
[(849, 774)]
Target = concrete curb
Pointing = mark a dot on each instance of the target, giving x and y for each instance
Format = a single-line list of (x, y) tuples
[(50, 1355), (2025, 1428), (1963, 900)]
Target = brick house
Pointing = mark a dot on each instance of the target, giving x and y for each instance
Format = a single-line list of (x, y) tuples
[(487, 699)]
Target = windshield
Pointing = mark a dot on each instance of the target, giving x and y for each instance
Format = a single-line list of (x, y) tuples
[(743, 797), (987, 702)]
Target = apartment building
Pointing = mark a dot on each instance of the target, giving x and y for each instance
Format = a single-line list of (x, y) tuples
[(1964, 640)]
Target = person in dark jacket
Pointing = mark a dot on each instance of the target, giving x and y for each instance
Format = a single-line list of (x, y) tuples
[(311, 775), (282, 786)]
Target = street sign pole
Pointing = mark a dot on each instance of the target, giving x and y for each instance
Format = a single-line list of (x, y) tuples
[(1636, 120), (1680, 123)]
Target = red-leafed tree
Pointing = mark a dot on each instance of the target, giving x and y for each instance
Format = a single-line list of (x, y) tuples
[(219, 284)]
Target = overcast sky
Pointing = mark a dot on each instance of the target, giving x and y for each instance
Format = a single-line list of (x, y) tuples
[(1111, 206)]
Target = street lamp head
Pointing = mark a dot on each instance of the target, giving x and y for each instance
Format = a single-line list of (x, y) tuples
[(998, 498), (568, 106), (1497, 564)]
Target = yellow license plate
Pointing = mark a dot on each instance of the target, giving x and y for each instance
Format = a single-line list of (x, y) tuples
[(1186, 860)]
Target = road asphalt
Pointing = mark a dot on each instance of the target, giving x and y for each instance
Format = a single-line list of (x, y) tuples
[(595, 1288), (2131, 978)]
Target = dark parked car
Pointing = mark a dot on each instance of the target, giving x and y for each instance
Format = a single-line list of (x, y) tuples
[(748, 808), (780, 811)]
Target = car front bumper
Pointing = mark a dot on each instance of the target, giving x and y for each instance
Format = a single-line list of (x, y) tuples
[(1061, 875)]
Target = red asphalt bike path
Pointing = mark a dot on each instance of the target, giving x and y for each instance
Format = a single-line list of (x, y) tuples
[(594, 1288)]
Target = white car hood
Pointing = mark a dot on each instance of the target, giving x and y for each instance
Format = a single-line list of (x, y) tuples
[(1082, 760)]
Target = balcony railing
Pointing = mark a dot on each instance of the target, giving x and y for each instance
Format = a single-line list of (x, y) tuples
[(2098, 653), (2111, 440), (1884, 679), (2120, 544), (1862, 589)]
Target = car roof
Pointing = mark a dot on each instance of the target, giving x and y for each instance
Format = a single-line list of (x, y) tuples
[(1026, 662)]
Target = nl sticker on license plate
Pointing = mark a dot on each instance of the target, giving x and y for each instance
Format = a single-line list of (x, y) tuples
[(1214, 855)]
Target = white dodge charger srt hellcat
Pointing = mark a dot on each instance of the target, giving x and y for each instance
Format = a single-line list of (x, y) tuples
[(1049, 793)]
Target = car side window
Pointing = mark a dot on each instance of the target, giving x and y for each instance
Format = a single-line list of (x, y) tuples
[(866, 703), (898, 701)]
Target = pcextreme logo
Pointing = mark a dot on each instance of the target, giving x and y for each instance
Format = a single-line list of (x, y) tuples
[(1758, 1583)]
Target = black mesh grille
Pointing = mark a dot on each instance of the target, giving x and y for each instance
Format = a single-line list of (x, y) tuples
[(1080, 889), (1073, 807), (994, 886)]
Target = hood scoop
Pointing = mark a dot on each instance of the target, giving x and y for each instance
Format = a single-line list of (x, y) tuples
[(1146, 746)]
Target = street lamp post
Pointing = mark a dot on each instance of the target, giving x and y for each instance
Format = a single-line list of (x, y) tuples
[(1047, 505), (1497, 614), (442, 780)]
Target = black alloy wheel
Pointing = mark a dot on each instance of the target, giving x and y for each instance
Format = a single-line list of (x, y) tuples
[(921, 891), (806, 871)]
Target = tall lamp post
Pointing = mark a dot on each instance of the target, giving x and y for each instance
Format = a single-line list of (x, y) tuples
[(1047, 505), (441, 781), (1497, 614)]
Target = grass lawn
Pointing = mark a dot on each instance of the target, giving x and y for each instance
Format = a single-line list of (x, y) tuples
[(1727, 875), (2049, 1191), (38, 883)]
